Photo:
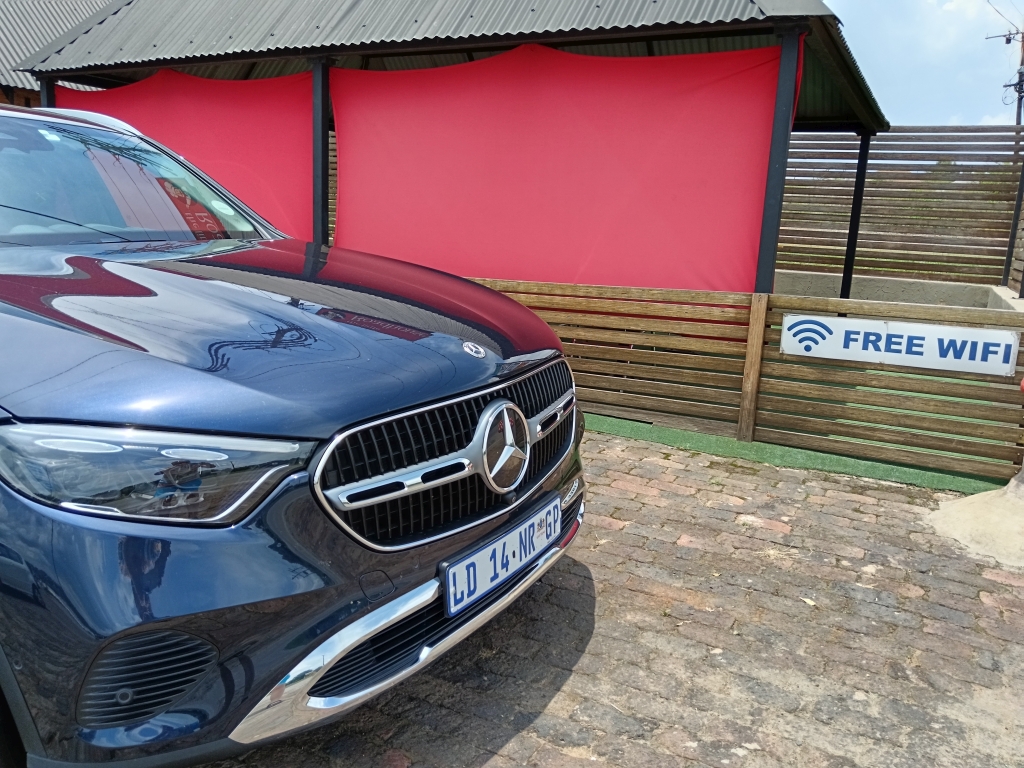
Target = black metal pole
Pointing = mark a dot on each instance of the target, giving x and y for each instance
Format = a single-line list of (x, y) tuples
[(321, 151), (782, 127), (1020, 79), (855, 209), (1015, 221), (1014, 224), (47, 93)]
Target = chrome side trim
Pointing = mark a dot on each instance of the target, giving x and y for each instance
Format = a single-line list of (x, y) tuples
[(560, 409), (331, 499), (288, 707), (411, 480)]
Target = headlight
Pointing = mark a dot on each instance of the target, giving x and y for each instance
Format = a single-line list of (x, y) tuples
[(145, 474)]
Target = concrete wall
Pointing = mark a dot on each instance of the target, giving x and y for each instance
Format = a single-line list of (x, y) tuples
[(792, 283)]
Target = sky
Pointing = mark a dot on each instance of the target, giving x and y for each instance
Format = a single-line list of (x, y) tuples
[(928, 62)]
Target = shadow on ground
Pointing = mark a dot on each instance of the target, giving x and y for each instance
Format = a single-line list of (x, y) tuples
[(474, 702)]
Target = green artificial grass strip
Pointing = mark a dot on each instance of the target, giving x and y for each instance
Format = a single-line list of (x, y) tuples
[(784, 456)]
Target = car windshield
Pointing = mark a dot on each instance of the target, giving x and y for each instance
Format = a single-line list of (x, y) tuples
[(62, 183)]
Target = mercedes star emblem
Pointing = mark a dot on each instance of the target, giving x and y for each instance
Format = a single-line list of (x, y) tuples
[(506, 447), (474, 349)]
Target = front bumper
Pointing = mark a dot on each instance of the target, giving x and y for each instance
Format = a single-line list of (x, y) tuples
[(265, 592), (288, 707)]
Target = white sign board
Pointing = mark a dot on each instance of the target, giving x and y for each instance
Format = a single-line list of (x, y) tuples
[(941, 347)]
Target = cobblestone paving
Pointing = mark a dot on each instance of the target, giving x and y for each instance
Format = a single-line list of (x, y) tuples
[(718, 612)]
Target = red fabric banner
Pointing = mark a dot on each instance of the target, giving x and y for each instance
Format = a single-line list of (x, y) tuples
[(252, 136), (542, 165)]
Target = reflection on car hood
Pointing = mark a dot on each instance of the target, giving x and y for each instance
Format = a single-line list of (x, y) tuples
[(246, 338)]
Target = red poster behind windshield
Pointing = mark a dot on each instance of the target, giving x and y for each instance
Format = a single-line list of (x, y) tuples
[(542, 165)]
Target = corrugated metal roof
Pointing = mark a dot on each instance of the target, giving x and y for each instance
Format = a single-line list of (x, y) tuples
[(28, 25), (241, 39), (140, 31)]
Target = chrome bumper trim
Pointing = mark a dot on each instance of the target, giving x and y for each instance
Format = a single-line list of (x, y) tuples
[(288, 707)]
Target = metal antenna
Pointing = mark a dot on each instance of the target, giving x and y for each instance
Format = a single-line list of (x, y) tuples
[(1010, 37)]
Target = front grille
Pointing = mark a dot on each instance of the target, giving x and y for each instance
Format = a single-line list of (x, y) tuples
[(398, 647), (457, 502), (547, 450), (429, 435), (423, 511), (140, 676)]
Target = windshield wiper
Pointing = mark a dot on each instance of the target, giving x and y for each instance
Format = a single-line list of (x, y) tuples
[(66, 221)]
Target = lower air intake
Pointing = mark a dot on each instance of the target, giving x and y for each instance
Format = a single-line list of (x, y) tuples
[(398, 647), (140, 676)]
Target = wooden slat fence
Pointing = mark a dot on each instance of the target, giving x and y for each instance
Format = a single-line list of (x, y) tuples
[(679, 354), (953, 422), (937, 205), (711, 362)]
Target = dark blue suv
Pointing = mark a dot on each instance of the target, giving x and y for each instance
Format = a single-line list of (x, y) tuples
[(245, 484)]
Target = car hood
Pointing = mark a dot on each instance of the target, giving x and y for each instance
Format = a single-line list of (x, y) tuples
[(246, 338)]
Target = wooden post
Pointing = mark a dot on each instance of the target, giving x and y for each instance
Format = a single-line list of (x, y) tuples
[(752, 368)]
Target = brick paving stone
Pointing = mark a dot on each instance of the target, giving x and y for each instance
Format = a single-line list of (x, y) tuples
[(719, 612)]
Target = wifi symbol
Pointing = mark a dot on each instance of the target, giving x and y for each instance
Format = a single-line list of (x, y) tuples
[(809, 333)]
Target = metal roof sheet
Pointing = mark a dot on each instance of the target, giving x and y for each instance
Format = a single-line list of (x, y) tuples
[(28, 25), (140, 31), (241, 39)]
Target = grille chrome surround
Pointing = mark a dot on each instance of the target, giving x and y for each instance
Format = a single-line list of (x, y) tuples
[(449, 476)]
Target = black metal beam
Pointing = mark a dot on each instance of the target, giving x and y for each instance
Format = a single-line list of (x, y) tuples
[(1014, 224), (321, 151), (103, 80), (782, 126), (47, 93), (842, 126), (855, 209)]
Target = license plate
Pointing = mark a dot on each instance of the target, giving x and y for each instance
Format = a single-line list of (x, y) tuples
[(473, 577)]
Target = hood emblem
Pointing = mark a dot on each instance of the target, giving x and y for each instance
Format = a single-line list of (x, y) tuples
[(506, 448), (474, 349)]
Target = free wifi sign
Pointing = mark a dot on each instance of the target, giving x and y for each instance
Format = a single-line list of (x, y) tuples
[(920, 345)]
